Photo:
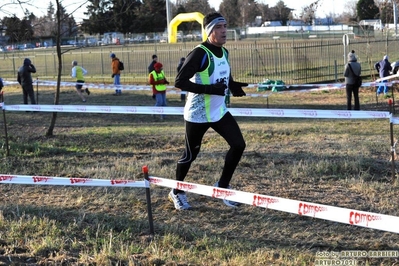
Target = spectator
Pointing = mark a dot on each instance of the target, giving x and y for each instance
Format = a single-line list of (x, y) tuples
[(25, 80), (79, 72), (151, 67), (352, 71), (383, 67), (1, 84), (206, 76), (182, 93), (116, 74), (153, 62), (158, 82)]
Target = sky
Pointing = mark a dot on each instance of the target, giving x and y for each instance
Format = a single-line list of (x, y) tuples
[(326, 7), (39, 7)]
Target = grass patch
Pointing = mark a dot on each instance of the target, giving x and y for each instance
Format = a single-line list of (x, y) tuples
[(342, 163)]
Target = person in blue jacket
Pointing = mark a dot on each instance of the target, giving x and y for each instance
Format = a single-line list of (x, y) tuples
[(383, 67)]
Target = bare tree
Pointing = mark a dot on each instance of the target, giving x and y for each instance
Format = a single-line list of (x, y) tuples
[(308, 13), (350, 13), (9, 7), (59, 56)]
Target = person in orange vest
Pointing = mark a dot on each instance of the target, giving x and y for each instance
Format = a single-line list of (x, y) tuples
[(158, 82)]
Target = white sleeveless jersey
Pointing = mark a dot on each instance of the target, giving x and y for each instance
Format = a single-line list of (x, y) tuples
[(203, 108)]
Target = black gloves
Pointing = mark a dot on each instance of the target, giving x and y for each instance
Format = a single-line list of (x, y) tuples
[(113, 75), (236, 88), (216, 89)]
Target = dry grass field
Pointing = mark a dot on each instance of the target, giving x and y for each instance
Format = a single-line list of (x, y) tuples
[(343, 163)]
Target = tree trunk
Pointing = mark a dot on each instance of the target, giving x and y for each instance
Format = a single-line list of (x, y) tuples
[(57, 92)]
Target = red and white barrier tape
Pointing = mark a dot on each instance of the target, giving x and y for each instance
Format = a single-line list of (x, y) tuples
[(68, 181), (247, 112), (331, 213)]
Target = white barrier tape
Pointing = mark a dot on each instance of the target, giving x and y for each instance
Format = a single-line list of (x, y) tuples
[(68, 181), (96, 109), (388, 78), (331, 213), (331, 85), (247, 112), (394, 120), (89, 85), (255, 95), (305, 113), (316, 87), (146, 87), (123, 87), (326, 85)]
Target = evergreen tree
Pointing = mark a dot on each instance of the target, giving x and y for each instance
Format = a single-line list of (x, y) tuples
[(151, 16), (366, 9), (201, 6), (112, 15), (99, 13), (18, 30), (281, 12)]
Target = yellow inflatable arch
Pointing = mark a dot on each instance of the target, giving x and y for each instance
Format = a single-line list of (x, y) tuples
[(184, 17)]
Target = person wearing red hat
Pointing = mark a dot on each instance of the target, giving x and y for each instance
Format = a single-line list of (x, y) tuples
[(158, 81)]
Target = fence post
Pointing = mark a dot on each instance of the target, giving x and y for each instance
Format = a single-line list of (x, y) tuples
[(252, 59), (102, 61), (37, 90), (5, 124), (280, 59), (393, 152), (294, 73), (275, 57), (148, 197), (336, 70)]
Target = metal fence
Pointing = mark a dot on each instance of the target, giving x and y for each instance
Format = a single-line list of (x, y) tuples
[(292, 61)]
